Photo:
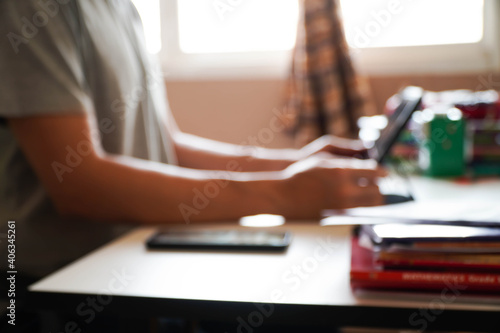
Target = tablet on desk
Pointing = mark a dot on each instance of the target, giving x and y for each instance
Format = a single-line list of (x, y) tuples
[(222, 240), (411, 97)]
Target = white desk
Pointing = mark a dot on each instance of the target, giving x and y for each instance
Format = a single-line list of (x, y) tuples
[(321, 254), (308, 283)]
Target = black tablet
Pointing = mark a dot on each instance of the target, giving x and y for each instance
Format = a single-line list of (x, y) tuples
[(410, 97), (222, 240)]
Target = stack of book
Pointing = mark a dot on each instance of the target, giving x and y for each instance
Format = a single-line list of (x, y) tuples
[(485, 159), (426, 256), (482, 112)]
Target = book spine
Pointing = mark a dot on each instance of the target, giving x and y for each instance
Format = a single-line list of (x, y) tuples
[(442, 264), (415, 279)]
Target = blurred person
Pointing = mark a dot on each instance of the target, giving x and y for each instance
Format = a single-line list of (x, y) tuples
[(86, 135), (87, 132)]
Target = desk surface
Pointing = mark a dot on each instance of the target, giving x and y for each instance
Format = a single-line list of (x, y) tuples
[(308, 283)]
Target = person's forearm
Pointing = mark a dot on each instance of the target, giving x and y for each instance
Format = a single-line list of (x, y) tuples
[(200, 153), (128, 189)]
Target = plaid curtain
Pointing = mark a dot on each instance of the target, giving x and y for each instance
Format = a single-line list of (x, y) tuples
[(324, 95)]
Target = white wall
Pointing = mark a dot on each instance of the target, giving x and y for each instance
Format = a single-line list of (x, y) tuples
[(230, 111)]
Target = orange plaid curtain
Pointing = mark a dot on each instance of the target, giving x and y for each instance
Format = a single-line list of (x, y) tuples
[(324, 95)]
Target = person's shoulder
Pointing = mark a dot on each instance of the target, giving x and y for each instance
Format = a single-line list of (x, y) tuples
[(37, 12), (32, 23), (29, 16), (26, 8)]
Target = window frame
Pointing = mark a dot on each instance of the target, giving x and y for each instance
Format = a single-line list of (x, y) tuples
[(483, 56)]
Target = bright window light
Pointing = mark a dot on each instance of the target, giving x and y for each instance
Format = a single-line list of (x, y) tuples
[(221, 26), (149, 10), (384, 23)]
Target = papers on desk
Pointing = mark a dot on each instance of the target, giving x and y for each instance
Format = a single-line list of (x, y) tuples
[(442, 210)]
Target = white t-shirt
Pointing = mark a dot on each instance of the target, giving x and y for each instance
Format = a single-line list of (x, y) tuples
[(73, 57)]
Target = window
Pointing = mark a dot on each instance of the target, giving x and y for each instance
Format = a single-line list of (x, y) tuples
[(383, 23), (223, 26), (253, 38), (406, 36), (228, 38)]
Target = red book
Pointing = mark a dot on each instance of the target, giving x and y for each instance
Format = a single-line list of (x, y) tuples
[(480, 110), (468, 262), (366, 273)]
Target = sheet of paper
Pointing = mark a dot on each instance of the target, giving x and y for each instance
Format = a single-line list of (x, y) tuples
[(442, 210)]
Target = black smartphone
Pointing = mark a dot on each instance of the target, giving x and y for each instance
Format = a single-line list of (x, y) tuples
[(222, 240)]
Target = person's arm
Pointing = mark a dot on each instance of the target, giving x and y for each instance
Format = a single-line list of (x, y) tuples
[(84, 181), (200, 153)]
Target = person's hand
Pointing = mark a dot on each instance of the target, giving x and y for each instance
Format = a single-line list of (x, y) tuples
[(319, 183), (336, 146)]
